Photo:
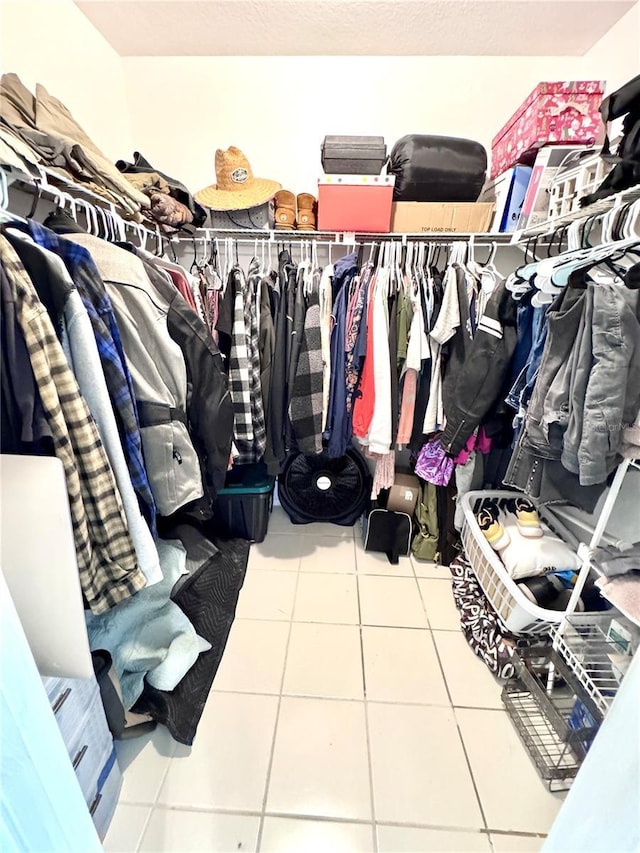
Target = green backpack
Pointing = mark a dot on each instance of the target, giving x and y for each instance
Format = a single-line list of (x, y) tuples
[(425, 542)]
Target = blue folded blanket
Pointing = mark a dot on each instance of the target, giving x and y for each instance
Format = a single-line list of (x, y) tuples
[(148, 636)]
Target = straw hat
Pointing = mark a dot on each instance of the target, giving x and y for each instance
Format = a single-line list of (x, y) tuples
[(236, 188)]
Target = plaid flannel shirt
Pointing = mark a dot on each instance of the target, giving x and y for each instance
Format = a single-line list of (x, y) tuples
[(253, 451), (106, 557), (239, 363), (95, 298)]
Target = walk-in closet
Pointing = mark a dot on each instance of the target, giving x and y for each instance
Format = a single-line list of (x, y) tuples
[(320, 426)]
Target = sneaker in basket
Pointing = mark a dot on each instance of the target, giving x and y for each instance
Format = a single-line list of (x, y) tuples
[(491, 526), (527, 518)]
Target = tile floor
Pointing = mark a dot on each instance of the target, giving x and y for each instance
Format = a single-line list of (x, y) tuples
[(348, 714)]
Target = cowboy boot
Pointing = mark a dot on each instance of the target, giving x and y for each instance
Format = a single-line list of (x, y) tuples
[(285, 211), (306, 212)]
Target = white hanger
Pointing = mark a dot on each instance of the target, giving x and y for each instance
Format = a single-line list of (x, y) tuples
[(489, 274), (630, 228), (4, 190)]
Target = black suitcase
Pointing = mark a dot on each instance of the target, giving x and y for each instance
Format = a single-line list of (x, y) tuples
[(437, 168), (353, 155)]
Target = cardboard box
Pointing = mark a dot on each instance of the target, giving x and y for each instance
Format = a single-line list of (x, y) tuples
[(507, 192), (564, 112), (418, 217), (355, 203), (535, 208), (403, 495)]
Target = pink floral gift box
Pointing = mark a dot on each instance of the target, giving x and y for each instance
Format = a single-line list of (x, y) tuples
[(554, 113)]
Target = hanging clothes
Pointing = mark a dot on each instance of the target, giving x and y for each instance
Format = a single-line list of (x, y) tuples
[(364, 402), (325, 333), (209, 408), (24, 428), (337, 427), (48, 273), (380, 433), (106, 556), (474, 389), (159, 373), (279, 393), (95, 298), (239, 361), (254, 450), (306, 397), (267, 347), (356, 336)]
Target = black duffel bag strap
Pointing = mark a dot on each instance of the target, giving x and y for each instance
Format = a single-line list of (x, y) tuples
[(153, 414)]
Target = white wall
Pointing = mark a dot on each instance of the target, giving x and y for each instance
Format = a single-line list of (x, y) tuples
[(278, 109), (53, 43), (178, 110), (616, 57)]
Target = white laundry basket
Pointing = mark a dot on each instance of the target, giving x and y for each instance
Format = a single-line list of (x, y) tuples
[(516, 611)]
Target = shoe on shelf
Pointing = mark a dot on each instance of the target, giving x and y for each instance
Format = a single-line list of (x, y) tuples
[(306, 212), (285, 211), (527, 518), (491, 526)]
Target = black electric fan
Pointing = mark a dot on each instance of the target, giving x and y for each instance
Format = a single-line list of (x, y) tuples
[(317, 488)]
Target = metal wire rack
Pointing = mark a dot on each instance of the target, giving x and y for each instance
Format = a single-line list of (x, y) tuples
[(588, 650), (544, 722), (598, 207)]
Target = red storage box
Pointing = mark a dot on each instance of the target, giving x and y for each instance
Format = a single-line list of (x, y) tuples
[(558, 113), (355, 203)]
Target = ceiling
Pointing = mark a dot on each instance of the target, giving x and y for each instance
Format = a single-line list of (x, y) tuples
[(353, 27)]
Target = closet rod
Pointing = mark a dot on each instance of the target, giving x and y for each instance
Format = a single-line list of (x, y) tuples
[(333, 238), (83, 199), (596, 210)]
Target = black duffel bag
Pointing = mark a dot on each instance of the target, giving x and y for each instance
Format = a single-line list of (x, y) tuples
[(626, 172), (437, 168)]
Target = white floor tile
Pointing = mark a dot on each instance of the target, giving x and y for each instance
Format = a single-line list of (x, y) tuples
[(372, 563), (516, 843), (469, 680), (402, 666), (280, 523), (144, 762), (320, 762), (408, 839), (391, 601), (279, 552), (324, 660), (267, 595), (227, 765), (330, 554), (438, 601), (512, 794), (253, 660), (326, 598), (430, 570), (286, 835), (194, 832), (420, 774), (125, 830)]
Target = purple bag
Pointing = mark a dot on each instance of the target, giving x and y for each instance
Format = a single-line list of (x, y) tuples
[(433, 464)]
